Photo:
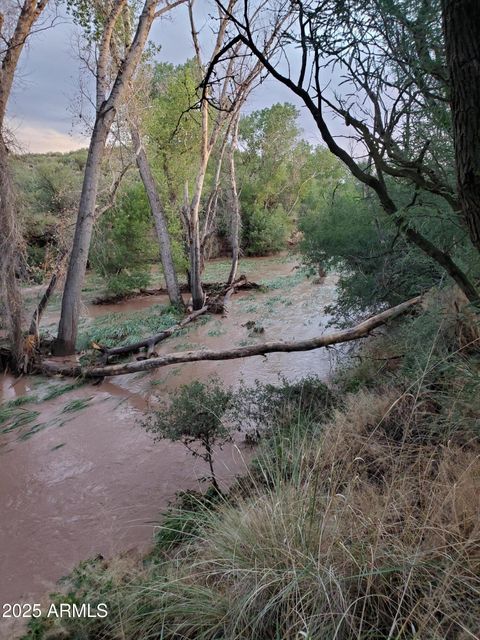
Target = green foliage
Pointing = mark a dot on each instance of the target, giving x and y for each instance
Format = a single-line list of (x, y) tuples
[(123, 328), (265, 166), (280, 176), (195, 417), (349, 233), (48, 187), (174, 134), (265, 408), (181, 523), (434, 356), (265, 231), (124, 245)]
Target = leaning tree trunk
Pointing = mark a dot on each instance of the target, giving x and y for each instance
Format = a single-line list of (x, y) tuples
[(11, 300), (159, 217), (106, 112), (235, 223), (71, 300), (461, 21), (195, 246)]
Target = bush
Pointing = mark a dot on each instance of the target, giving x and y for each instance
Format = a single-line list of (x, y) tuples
[(350, 234), (265, 408), (265, 231), (194, 417), (124, 246)]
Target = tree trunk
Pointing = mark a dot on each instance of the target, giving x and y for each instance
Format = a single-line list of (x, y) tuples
[(461, 22), (106, 112), (335, 337), (70, 315), (10, 252), (10, 239), (212, 203), (161, 227), (195, 248), (235, 223), (49, 291)]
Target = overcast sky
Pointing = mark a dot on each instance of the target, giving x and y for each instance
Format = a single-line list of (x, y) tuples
[(42, 106)]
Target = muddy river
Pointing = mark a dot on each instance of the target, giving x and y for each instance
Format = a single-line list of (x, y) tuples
[(84, 478)]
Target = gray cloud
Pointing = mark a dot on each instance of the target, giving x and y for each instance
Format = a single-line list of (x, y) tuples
[(41, 107)]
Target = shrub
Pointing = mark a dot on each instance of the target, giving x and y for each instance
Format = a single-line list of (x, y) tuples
[(194, 417), (350, 234), (124, 247), (265, 231), (264, 408)]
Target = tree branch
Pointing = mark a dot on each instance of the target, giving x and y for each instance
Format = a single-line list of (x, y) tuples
[(336, 337)]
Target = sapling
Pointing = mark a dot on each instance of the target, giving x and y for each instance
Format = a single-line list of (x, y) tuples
[(194, 417)]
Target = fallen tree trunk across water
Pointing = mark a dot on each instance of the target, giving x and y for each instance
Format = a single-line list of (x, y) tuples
[(335, 337), (209, 287), (150, 342), (214, 304)]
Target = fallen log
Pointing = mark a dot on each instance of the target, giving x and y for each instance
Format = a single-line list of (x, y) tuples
[(213, 304), (335, 337), (150, 342), (209, 287), (218, 302)]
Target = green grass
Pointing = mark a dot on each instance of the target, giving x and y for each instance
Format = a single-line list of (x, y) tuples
[(56, 391), (13, 418), (122, 328), (77, 405), (286, 282), (217, 330), (21, 400)]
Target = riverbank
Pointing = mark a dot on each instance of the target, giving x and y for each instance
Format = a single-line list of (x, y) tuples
[(359, 516), (79, 476)]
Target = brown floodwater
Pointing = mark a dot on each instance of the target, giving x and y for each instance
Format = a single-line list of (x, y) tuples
[(91, 480)]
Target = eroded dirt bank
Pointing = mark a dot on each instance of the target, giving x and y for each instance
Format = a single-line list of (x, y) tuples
[(84, 478)]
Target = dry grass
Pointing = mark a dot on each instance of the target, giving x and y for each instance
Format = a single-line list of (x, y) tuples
[(376, 538)]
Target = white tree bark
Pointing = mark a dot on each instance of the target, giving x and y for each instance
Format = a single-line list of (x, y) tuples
[(160, 220), (107, 107), (235, 220)]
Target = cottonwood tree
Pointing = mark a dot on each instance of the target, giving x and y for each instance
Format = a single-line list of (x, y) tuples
[(16, 23), (210, 133), (224, 96), (235, 218), (392, 94), (112, 85), (461, 22), (139, 90), (159, 216)]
